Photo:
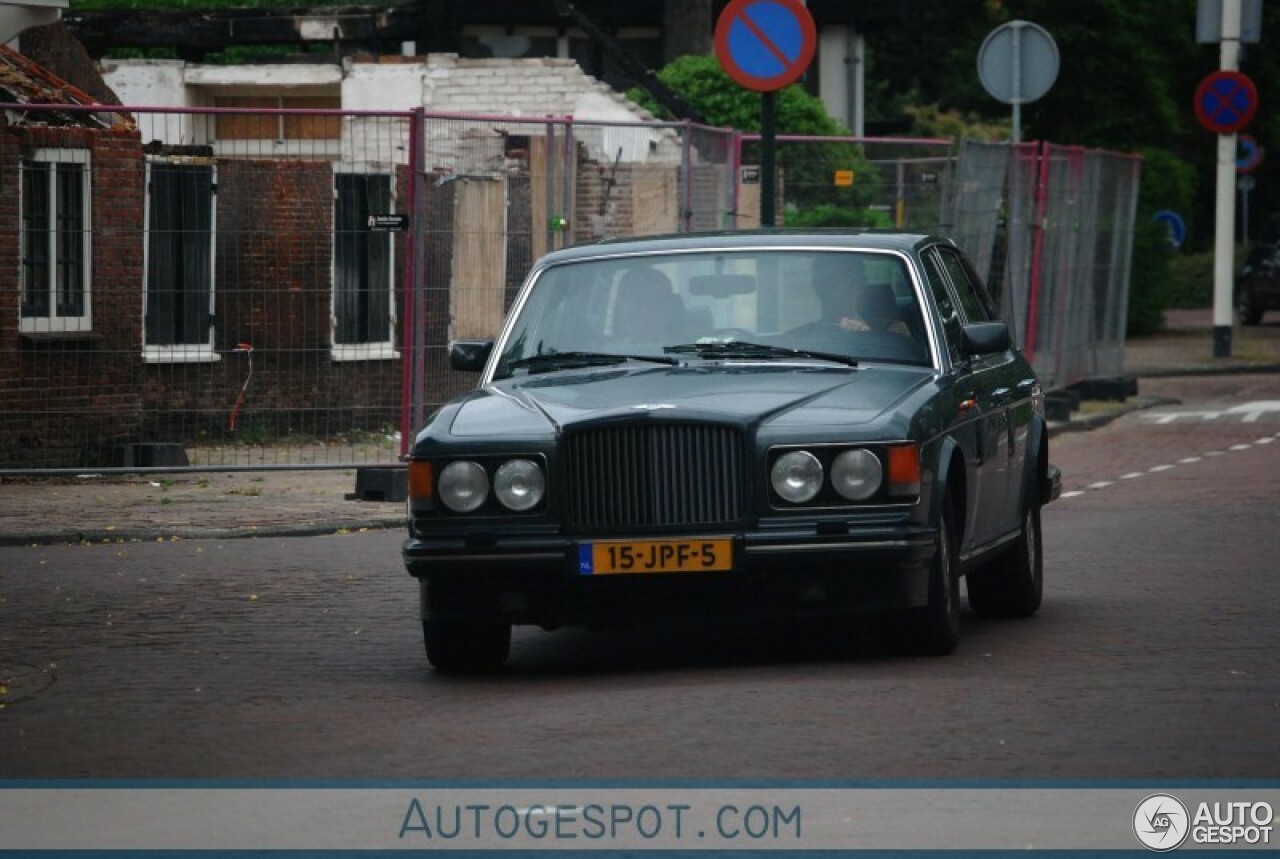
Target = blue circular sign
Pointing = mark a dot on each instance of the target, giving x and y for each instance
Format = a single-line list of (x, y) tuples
[(1177, 227), (1248, 154), (765, 45)]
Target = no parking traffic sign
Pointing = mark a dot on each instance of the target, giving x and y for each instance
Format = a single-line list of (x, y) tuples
[(765, 45), (1226, 101)]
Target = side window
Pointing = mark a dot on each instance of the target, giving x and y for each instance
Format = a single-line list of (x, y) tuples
[(178, 316), (946, 307), (55, 242), (362, 275), (975, 310)]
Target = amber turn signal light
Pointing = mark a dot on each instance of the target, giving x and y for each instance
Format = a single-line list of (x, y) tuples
[(421, 488), (904, 469)]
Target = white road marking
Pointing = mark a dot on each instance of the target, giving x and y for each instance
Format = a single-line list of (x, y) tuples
[(1249, 412)]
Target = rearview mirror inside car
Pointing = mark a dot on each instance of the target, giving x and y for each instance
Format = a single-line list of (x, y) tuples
[(722, 285)]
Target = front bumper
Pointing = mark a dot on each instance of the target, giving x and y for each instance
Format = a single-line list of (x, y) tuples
[(535, 579)]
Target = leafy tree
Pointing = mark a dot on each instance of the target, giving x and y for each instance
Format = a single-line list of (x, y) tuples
[(723, 102), (807, 168)]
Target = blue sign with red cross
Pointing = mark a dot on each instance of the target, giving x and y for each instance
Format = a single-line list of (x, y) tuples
[(765, 45), (1226, 102)]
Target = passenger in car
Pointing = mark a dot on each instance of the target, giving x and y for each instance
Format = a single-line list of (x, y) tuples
[(647, 309)]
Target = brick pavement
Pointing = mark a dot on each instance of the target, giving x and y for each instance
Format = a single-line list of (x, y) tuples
[(116, 508)]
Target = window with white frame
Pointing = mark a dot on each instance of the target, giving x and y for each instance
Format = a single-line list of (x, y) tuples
[(363, 298), (178, 309), (56, 242)]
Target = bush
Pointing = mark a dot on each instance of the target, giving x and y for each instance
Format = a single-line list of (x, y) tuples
[(1167, 183), (1191, 278), (1149, 280), (1190, 281), (838, 216)]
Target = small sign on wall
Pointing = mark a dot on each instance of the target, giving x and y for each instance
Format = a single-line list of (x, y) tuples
[(389, 223)]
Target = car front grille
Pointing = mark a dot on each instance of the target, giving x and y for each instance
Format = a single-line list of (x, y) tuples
[(653, 476)]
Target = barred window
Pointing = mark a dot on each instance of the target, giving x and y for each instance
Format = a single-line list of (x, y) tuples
[(363, 306), (179, 318), (55, 240)]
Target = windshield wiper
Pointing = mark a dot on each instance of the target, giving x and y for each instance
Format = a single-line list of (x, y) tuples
[(566, 360), (744, 349)]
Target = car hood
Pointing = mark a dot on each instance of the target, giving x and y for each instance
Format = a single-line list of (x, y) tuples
[(746, 394)]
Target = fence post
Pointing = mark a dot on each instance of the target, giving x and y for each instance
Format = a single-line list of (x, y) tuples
[(568, 180), (686, 179), (1037, 245), (413, 362)]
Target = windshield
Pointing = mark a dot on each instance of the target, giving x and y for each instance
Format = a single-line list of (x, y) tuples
[(846, 306)]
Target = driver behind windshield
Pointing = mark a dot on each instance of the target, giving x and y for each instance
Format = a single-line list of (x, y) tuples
[(646, 309)]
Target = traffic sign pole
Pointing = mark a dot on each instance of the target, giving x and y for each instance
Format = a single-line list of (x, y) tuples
[(765, 45), (1225, 223), (768, 159)]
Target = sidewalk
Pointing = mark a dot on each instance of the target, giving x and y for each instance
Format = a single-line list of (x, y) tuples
[(97, 509)]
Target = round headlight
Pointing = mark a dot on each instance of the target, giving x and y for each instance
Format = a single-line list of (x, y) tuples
[(856, 474), (463, 486), (796, 476), (519, 484)]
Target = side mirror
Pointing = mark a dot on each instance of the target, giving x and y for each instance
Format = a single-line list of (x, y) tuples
[(469, 354), (984, 338)]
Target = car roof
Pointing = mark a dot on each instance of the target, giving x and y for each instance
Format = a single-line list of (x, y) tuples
[(778, 238)]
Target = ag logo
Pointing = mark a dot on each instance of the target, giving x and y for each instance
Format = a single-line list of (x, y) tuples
[(1161, 822)]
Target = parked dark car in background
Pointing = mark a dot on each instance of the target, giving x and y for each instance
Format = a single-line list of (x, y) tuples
[(1258, 286), (748, 423)]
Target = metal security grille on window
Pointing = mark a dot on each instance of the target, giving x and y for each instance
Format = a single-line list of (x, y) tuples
[(655, 476)]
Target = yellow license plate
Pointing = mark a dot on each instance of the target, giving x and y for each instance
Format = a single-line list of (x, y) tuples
[(620, 557)]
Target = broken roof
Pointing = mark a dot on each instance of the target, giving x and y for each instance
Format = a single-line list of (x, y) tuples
[(23, 81)]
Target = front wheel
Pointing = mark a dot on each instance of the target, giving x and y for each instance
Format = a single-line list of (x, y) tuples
[(1013, 584), (934, 629), (466, 647)]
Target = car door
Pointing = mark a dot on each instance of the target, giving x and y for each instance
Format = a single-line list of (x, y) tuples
[(1004, 386), (975, 413)]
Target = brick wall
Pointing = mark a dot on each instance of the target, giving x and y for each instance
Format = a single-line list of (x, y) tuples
[(69, 400)]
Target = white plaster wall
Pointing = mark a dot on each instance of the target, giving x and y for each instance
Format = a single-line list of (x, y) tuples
[(533, 88), (153, 83)]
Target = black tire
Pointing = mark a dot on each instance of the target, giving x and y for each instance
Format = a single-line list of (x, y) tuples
[(466, 648), (1013, 584), (934, 629), (1247, 309)]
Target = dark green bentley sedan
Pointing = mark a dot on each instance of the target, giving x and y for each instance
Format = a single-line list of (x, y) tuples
[(760, 422)]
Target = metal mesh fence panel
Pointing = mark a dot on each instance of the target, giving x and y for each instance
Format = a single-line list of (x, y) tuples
[(251, 287), (1085, 205), (853, 182), (215, 288), (499, 192)]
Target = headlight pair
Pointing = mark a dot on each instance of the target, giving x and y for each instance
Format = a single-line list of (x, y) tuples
[(518, 484), (853, 474)]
